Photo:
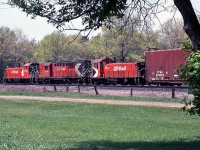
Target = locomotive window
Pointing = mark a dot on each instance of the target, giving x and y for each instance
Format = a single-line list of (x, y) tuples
[(71, 65), (104, 63), (96, 65), (46, 67)]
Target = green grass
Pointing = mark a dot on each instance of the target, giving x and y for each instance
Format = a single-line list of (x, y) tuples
[(34, 125), (87, 96)]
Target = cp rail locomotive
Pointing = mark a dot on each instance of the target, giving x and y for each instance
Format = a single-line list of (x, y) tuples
[(158, 68)]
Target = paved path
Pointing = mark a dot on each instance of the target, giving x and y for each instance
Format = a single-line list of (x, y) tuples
[(95, 101)]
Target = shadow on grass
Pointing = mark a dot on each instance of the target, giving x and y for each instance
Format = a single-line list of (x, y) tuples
[(159, 145)]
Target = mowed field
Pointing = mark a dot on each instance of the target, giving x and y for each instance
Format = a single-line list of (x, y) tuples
[(35, 125)]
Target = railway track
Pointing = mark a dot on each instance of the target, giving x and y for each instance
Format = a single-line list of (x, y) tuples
[(102, 86), (180, 92)]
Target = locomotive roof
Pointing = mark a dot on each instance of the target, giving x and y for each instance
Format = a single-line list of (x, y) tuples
[(163, 50), (72, 61), (28, 64), (120, 63), (101, 59), (47, 63)]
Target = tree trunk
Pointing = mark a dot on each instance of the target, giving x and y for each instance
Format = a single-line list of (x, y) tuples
[(191, 23)]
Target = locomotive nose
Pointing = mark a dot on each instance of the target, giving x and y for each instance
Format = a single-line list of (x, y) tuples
[(83, 69)]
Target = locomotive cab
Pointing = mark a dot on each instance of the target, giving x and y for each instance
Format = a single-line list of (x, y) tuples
[(98, 69), (30, 72)]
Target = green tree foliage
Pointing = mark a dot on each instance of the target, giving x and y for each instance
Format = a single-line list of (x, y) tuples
[(191, 72), (23, 48), (59, 47), (123, 41), (15, 48), (92, 12), (171, 35), (52, 47), (95, 13)]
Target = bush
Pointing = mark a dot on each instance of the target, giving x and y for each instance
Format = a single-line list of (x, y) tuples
[(191, 72)]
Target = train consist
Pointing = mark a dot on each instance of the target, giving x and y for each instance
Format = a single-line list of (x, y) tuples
[(159, 68)]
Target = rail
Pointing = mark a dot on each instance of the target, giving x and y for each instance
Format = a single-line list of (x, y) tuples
[(96, 87)]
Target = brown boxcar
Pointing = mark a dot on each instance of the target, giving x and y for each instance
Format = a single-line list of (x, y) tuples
[(161, 66)]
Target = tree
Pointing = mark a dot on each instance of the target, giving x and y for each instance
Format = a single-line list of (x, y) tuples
[(124, 41), (191, 72), (124, 45), (171, 34), (95, 13), (15, 48), (57, 47), (52, 47), (191, 23), (23, 49)]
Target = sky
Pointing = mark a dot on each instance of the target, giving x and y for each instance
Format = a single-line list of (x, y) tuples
[(37, 28)]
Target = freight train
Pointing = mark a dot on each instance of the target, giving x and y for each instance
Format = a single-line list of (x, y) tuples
[(158, 68)]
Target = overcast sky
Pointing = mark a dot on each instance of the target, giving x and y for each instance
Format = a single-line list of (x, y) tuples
[(38, 28)]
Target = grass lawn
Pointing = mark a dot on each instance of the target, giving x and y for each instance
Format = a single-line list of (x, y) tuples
[(28, 125)]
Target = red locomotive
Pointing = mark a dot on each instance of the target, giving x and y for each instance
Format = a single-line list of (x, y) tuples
[(158, 68), (65, 72), (105, 71), (27, 73)]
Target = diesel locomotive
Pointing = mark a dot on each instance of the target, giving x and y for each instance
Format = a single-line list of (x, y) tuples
[(158, 68)]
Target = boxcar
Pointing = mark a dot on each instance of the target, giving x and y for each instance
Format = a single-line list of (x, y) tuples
[(161, 66)]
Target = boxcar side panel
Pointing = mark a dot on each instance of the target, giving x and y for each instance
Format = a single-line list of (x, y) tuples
[(161, 65)]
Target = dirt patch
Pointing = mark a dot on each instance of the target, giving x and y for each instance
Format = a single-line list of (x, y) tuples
[(136, 92), (94, 101)]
